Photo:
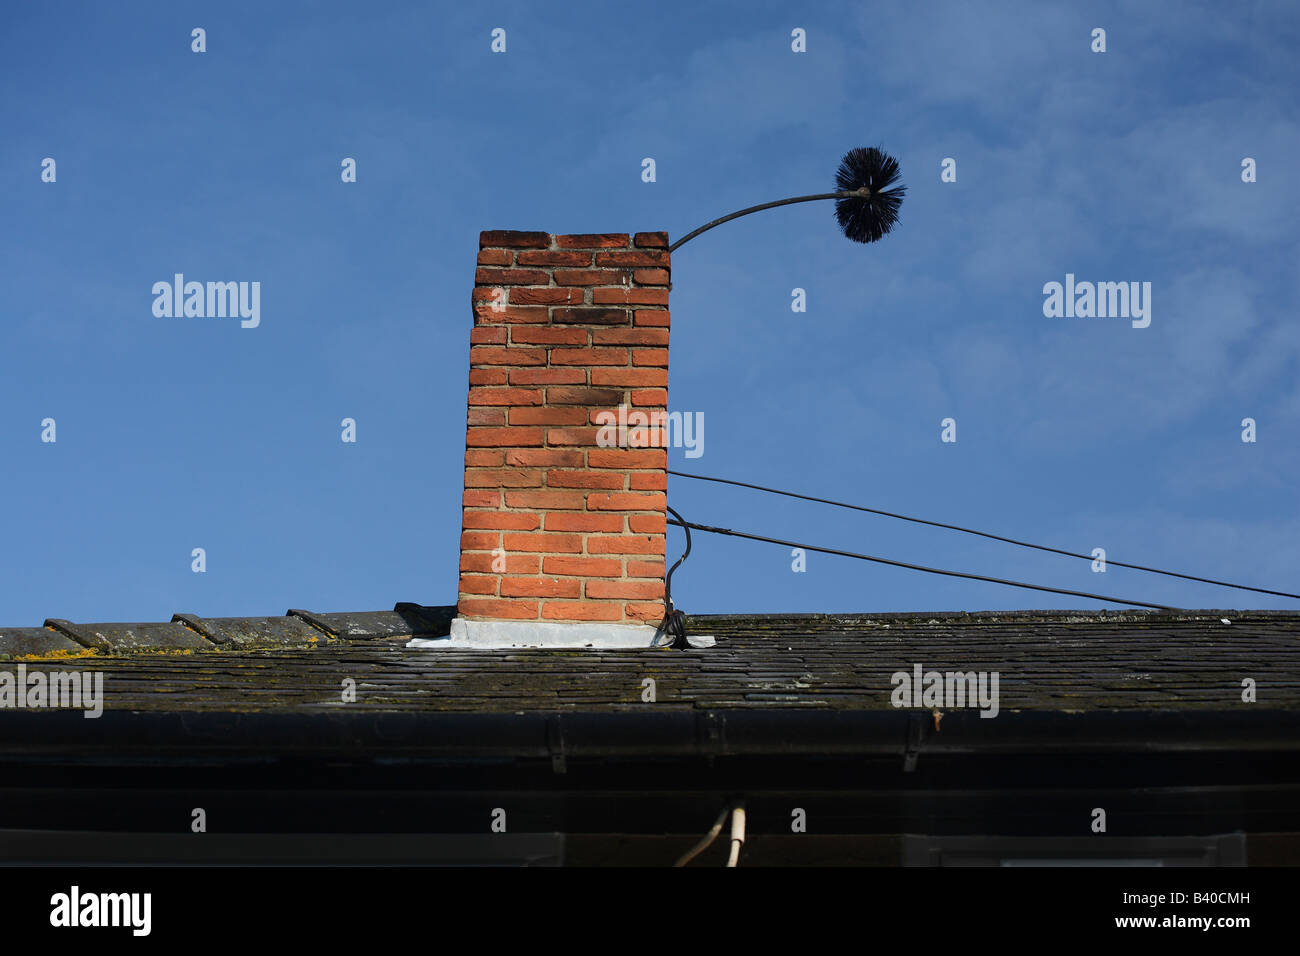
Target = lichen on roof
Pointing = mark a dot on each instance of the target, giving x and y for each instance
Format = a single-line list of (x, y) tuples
[(1063, 661)]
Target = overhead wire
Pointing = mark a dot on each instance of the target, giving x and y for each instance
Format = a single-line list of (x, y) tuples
[(983, 534), (918, 567)]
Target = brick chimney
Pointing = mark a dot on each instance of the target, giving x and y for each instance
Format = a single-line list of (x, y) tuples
[(562, 540)]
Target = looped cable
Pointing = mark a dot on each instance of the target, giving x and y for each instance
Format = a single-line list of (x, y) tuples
[(674, 623)]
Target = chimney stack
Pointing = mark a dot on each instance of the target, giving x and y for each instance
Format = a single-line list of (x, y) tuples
[(563, 534)]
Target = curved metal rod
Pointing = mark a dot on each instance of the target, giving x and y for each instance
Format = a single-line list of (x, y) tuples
[(864, 192)]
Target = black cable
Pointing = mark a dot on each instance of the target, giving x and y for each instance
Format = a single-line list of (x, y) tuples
[(984, 534), (918, 567), (674, 622)]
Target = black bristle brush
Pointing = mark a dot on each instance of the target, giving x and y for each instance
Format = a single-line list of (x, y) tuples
[(865, 218)]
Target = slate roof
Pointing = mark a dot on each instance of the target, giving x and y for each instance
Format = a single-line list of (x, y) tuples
[(1136, 711), (1054, 661)]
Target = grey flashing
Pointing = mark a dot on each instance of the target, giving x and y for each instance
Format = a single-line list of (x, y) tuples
[(556, 635)]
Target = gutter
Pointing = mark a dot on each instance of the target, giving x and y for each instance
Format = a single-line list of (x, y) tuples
[(127, 737)]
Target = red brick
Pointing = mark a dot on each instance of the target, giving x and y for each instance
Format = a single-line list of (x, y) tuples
[(489, 335), (630, 377), (479, 541), (487, 275), (473, 498), (647, 437), (490, 355), (650, 240), (495, 257), (502, 478), (546, 296), (629, 296), (548, 376), (513, 239), (540, 587), (576, 521), (545, 543), (648, 481), (629, 337), (564, 415), (650, 276), (553, 258), (501, 520), (625, 501), (658, 357), (486, 457), (645, 569), (601, 416), (644, 612), (624, 544), (583, 396), (627, 458), (511, 436), (548, 500), (484, 561), (652, 317), (585, 437), (487, 376), (549, 336), (657, 397), (581, 611), (624, 589), (478, 584), (583, 277), (522, 609), (584, 479), (593, 240), (583, 567), (485, 416), (589, 357), (632, 258), (647, 524), (590, 316), (505, 396), (545, 457), (537, 315)]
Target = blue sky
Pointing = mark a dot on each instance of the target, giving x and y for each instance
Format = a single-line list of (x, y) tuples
[(177, 433)]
